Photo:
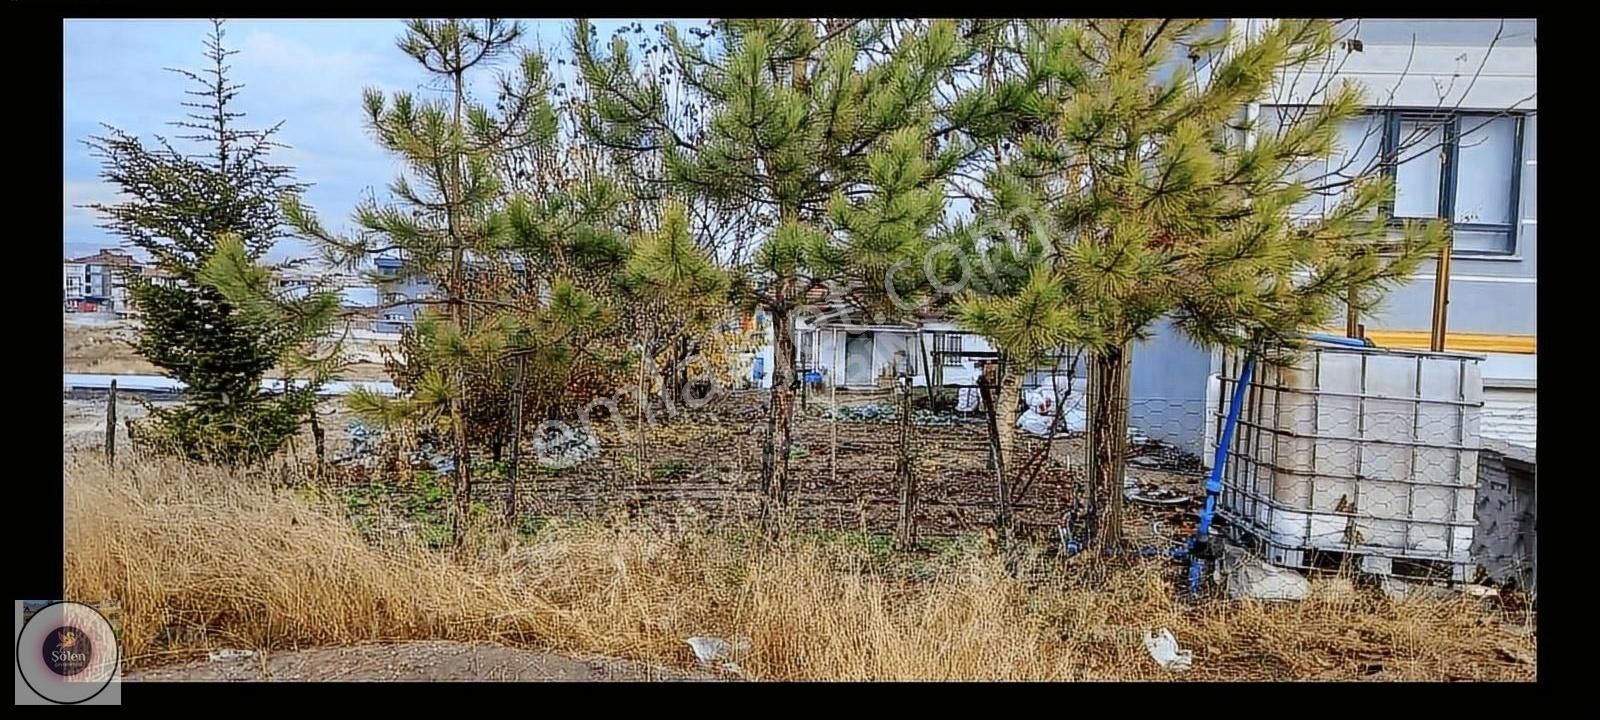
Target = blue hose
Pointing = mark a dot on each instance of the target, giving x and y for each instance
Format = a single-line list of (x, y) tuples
[(1202, 532)]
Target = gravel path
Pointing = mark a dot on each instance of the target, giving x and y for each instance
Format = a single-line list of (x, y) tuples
[(415, 661)]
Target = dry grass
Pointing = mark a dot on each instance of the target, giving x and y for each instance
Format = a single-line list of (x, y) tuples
[(197, 559)]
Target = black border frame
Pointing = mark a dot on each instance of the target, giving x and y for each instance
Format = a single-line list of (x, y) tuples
[(36, 512)]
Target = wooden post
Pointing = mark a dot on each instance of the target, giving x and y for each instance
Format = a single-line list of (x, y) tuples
[(516, 438), (908, 476), (986, 387), (927, 369), (1441, 299), (318, 439), (1351, 320), (638, 470), (111, 425)]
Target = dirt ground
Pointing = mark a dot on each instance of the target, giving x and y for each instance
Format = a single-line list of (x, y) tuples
[(90, 344), (415, 662), (705, 466)]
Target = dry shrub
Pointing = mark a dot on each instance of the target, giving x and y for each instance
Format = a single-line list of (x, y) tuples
[(198, 559)]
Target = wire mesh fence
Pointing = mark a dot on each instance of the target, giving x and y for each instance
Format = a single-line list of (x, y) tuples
[(1367, 460)]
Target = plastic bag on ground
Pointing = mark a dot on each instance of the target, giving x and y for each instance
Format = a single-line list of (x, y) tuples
[(1165, 651), (967, 400), (719, 652), (1042, 401), (561, 447)]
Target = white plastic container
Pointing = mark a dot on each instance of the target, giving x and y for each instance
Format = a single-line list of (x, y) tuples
[(1355, 450)]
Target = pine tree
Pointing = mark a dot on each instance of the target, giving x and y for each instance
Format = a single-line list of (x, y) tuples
[(447, 223), (1149, 205), (804, 118), (179, 209)]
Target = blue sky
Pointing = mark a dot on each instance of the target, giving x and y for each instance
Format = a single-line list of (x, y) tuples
[(307, 73)]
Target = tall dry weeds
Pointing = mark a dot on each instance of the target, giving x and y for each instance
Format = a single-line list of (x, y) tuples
[(197, 559)]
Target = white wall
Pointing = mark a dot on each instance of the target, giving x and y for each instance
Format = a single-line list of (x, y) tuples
[(1511, 414), (1426, 76), (72, 279), (884, 348)]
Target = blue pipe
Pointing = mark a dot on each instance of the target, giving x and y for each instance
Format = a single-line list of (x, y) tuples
[(1202, 532), (1341, 340)]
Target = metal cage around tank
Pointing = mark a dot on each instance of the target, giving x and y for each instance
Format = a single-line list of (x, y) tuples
[(1365, 453)]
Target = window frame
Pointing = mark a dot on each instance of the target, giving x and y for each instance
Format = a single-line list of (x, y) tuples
[(1450, 123), (942, 344), (805, 345)]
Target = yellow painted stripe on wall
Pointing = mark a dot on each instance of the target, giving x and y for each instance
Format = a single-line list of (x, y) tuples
[(1457, 341)]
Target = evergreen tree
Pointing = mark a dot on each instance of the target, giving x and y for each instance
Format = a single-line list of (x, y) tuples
[(446, 225), (1144, 202), (179, 209), (803, 118)]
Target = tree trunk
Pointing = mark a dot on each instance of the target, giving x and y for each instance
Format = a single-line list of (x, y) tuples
[(463, 454), (908, 476), (775, 451), (1001, 435), (1007, 402), (1107, 445), (1005, 405)]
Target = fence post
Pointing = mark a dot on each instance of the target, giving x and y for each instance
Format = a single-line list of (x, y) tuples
[(111, 425), (987, 376), (516, 437), (908, 476), (318, 440)]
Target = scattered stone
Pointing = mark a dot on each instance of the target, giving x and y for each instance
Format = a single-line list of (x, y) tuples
[(224, 655), (1398, 589), (1247, 576)]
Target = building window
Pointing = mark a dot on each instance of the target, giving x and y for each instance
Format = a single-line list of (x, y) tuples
[(805, 341), (948, 343), (1464, 167)]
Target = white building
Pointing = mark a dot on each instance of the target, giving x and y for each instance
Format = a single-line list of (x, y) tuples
[(1459, 99), (97, 282), (1464, 94), (860, 356)]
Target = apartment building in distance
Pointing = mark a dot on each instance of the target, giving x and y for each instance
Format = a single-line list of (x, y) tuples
[(96, 283)]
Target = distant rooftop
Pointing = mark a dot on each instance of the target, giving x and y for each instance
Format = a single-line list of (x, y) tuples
[(107, 257)]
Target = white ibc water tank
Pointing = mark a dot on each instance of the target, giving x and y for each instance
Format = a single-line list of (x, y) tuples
[(1213, 401), (1357, 450)]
